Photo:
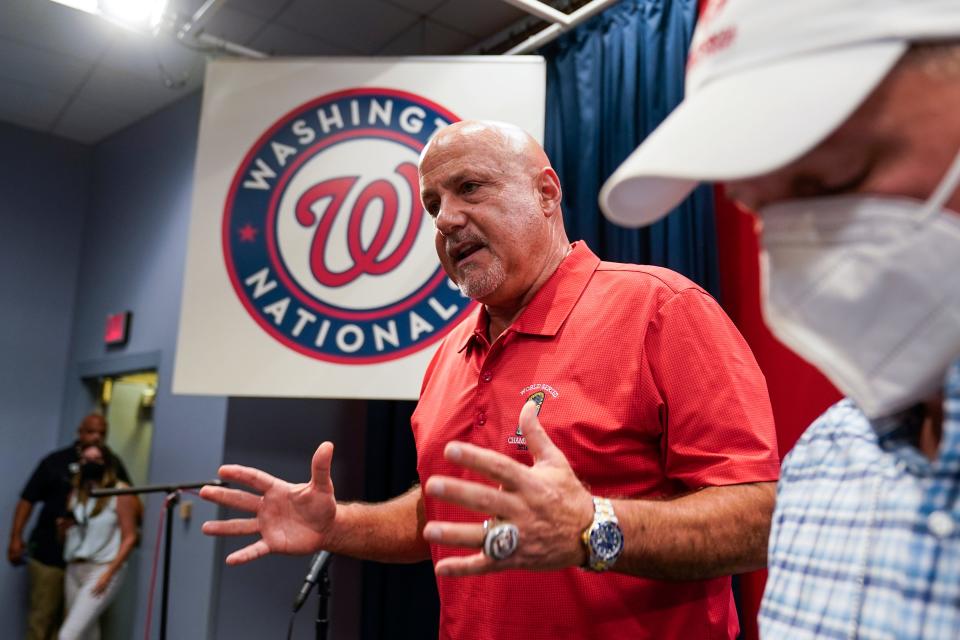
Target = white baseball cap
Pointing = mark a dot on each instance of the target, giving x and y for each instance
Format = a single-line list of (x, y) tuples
[(767, 80)]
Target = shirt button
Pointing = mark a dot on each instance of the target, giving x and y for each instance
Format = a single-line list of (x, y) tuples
[(940, 524), (487, 376), (481, 418)]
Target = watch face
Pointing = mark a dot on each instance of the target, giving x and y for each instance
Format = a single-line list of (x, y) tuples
[(606, 541)]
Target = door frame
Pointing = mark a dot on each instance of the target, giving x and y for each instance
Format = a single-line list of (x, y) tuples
[(78, 400)]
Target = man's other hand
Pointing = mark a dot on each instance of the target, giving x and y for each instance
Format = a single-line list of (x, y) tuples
[(290, 518), (548, 504)]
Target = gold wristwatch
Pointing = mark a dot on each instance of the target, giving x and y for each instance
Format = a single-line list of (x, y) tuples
[(603, 538)]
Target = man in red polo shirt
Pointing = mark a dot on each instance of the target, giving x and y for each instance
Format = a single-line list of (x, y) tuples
[(640, 473)]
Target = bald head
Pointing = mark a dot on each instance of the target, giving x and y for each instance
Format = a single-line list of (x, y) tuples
[(500, 147), (92, 430), (502, 140)]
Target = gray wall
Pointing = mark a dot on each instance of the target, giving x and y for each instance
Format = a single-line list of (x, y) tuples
[(280, 436), (91, 231), (44, 188), (133, 259)]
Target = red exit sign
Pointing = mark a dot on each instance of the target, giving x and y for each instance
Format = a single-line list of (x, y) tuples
[(118, 329)]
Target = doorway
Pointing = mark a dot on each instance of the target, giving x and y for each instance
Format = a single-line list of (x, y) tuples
[(127, 401)]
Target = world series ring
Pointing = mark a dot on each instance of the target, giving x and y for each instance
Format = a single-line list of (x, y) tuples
[(501, 540)]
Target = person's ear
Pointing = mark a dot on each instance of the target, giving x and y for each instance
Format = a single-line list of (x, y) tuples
[(549, 191)]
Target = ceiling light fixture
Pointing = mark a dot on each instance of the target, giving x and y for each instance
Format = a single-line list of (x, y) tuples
[(139, 15)]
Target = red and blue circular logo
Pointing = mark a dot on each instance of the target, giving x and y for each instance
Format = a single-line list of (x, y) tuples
[(324, 236)]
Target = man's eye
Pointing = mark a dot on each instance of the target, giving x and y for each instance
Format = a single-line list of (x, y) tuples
[(431, 209), (469, 187)]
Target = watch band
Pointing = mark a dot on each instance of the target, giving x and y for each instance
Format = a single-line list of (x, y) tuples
[(603, 510), (603, 539)]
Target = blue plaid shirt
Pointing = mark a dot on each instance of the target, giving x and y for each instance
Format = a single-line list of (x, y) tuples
[(865, 540)]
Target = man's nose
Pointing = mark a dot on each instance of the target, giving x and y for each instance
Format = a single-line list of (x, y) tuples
[(449, 219)]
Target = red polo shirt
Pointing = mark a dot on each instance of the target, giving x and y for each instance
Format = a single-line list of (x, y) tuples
[(649, 391)]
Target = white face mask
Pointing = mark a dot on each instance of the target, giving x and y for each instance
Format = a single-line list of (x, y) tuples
[(867, 289)]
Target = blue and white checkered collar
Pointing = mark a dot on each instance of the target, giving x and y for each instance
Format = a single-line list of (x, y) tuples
[(900, 425)]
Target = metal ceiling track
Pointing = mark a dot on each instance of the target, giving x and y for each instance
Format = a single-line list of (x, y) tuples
[(562, 22), (193, 34)]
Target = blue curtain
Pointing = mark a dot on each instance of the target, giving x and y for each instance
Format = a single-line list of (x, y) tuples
[(610, 82)]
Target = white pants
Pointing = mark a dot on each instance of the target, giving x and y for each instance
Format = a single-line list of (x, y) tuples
[(82, 621)]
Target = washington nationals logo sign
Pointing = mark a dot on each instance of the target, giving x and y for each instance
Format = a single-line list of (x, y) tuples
[(324, 236)]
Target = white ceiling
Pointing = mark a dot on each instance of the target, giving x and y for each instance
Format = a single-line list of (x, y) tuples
[(76, 75)]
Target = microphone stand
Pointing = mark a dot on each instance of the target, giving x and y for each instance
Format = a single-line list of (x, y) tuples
[(173, 497), (323, 597)]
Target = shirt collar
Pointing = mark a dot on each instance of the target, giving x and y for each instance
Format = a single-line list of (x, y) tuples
[(903, 423), (552, 304)]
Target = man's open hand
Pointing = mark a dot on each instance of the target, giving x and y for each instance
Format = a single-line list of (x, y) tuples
[(290, 518), (546, 502)]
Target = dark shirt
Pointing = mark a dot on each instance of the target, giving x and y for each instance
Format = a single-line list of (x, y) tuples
[(50, 484)]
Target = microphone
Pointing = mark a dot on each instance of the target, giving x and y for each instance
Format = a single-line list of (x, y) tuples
[(317, 565)]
